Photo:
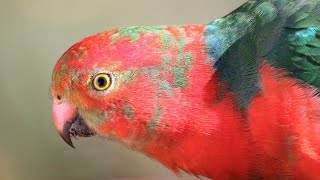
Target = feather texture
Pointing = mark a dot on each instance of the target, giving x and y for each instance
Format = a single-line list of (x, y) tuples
[(285, 32)]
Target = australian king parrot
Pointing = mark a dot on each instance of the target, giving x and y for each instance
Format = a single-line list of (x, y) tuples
[(237, 98)]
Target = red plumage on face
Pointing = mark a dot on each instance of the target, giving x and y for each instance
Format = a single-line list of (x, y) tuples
[(156, 62)]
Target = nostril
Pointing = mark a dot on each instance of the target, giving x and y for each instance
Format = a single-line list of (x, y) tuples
[(59, 97)]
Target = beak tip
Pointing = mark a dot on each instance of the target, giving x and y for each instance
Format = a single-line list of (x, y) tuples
[(65, 134), (68, 140)]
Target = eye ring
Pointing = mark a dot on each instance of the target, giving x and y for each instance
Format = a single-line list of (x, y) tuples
[(102, 81)]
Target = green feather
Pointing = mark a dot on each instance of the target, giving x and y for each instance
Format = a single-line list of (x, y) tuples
[(315, 42), (285, 32)]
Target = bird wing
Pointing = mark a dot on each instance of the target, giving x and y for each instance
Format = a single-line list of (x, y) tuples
[(285, 32)]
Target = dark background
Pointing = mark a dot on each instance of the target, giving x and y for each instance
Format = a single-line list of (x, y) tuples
[(33, 35)]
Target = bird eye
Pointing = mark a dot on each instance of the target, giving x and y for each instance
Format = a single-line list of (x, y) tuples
[(102, 82)]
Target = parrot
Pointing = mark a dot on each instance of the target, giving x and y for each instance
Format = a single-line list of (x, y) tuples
[(235, 98)]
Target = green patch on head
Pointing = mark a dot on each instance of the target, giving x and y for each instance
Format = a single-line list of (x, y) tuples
[(166, 58), (134, 31), (166, 39), (175, 66), (128, 111), (166, 86), (152, 72), (127, 75), (188, 58), (63, 69), (182, 40), (67, 57), (154, 123), (74, 74), (180, 79), (82, 53)]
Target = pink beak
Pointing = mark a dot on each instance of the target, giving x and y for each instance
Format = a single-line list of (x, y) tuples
[(64, 115), (68, 122)]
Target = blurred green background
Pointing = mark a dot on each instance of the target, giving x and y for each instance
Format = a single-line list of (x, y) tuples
[(33, 35)]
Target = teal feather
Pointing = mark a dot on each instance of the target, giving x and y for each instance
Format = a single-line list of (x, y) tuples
[(285, 32)]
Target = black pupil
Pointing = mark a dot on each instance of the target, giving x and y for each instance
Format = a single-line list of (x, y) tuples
[(101, 81)]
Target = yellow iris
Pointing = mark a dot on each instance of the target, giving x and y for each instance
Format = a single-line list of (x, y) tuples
[(102, 82)]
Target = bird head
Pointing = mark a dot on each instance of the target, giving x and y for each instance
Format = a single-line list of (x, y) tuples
[(110, 83)]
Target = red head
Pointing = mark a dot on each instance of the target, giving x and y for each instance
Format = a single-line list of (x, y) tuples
[(117, 81)]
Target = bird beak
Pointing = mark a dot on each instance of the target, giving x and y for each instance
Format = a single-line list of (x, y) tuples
[(68, 122)]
